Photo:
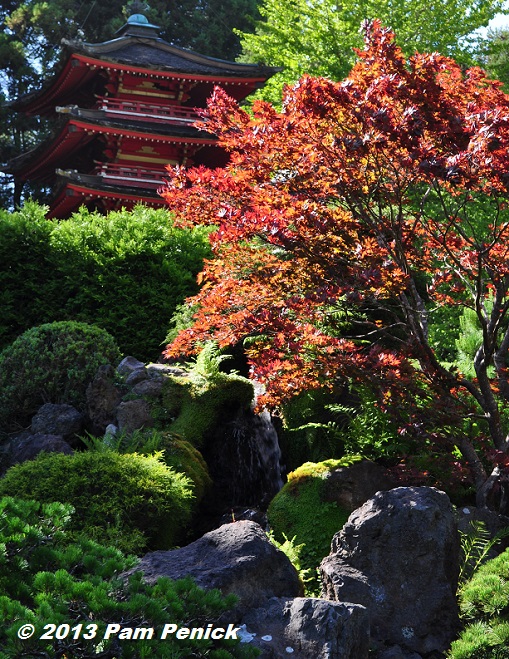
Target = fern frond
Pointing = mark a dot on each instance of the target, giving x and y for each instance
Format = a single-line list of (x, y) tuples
[(476, 544)]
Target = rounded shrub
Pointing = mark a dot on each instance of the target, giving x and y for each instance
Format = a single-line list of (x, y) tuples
[(51, 363), (174, 451), (132, 501), (300, 512)]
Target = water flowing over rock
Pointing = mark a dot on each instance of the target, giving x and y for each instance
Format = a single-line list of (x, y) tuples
[(243, 455)]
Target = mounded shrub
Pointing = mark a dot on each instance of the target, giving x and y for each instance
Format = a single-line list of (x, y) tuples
[(50, 577), (300, 511), (175, 452), (125, 272), (133, 501), (51, 363)]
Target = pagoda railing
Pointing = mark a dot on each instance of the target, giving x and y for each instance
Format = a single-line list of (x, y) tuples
[(116, 174), (146, 112)]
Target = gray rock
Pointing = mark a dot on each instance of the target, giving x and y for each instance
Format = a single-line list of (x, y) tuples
[(352, 486), (128, 365), (157, 371), (52, 419), (27, 446), (405, 545), (149, 388), (236, 558), (395, 652), (137, 375), (307, 627), (103, 399), (466, 515), (133, 415)]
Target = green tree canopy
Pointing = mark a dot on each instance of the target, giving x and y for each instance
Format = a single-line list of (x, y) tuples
[(496, 55), (318, 36)]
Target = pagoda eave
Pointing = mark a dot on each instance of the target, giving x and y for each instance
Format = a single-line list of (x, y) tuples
[(76, 133), (71, 195), (78, 70)]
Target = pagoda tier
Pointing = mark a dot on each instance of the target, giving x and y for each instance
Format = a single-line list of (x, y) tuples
[(121, 112)]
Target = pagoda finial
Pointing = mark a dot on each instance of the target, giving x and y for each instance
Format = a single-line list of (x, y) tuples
[(136, 7), (137, 23)]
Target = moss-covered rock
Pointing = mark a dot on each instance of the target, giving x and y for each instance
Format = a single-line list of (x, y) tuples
[(197, 403), (299, 510), (184, 458)]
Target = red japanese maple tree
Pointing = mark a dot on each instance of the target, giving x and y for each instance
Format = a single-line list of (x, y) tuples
[(384, 195)]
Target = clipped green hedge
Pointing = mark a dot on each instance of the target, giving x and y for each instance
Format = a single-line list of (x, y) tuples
[(132, 501), (125, 272), (51, 363)]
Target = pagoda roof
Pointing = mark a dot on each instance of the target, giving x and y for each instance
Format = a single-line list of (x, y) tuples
[(143, 53), (77, 127), (75, 189)]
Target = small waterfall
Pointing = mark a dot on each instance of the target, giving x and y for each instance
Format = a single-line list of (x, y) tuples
[(243, 457)]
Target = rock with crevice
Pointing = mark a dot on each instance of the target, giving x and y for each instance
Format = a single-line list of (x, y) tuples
[(398, 555), (134, 415), (103, 399), (305, 627), (58, 419)]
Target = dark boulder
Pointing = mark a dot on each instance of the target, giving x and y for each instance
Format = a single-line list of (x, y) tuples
[(398, 555), (27, 446), (236, 558), (352, 486), (306, 627), (103, 399), (53, 419)]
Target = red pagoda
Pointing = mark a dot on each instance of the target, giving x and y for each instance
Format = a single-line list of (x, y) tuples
[(123, 110)]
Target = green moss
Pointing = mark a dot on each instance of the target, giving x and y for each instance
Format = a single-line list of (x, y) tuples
[(184, 458), (198, 402), (133, 500), (299, 511)]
